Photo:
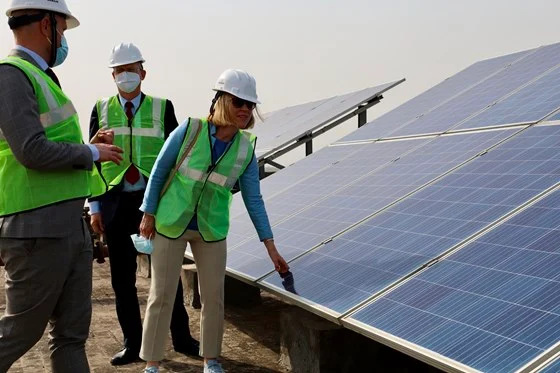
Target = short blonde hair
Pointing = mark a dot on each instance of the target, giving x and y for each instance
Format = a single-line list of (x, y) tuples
[(222, 112)]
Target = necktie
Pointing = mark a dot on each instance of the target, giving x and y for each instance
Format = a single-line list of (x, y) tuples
[(132, 175), (52, 75)]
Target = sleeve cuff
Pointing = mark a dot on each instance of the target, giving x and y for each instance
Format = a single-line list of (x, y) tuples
[(94, 152), (94, 207)]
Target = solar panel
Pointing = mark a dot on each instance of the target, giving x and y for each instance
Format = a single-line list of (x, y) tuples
[(282, 203), (406, 236), (434, 97), (493, 305), (317, 210), (530, 104), (285, 126), (485, 94), (284, 183)]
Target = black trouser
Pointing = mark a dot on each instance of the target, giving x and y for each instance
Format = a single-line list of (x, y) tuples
[(124, 220)]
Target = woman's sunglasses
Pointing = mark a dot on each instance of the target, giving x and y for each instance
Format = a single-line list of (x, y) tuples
[(239, 102)]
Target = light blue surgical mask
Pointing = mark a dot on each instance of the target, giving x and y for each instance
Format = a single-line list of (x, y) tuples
[(61, 52)]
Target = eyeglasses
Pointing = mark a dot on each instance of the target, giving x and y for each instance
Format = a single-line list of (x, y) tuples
[(239, 102)]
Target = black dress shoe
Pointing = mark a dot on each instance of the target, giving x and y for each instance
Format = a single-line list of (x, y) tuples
[(190, 348), (125, 356)]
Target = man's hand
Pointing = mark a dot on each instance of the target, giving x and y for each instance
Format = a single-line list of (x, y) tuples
[(103, 137), (97, 223), (147, 226), (110, 153)]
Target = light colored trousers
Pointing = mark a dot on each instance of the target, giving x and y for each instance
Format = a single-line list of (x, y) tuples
[(167, 260)]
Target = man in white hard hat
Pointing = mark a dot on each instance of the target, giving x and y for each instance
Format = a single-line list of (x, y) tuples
[(141, 124), (46, 175)]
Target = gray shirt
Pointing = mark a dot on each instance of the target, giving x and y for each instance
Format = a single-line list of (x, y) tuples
[(21, 127)]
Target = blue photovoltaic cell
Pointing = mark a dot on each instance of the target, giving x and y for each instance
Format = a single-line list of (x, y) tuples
[(530, 104), (494, 305), (368, 189), (287, 125), (283, 182), (433, 97), (394, 243), (553, 367), (359, 160), (484, 94)]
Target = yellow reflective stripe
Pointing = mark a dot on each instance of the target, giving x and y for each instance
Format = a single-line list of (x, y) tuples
[(242, 155), (58, 115), (218, 179), (51, 101), (2, 135), (194, 125), (104, 115), (156, 112)]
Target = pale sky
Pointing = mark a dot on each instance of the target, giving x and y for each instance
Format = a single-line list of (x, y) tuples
[(298, 51)]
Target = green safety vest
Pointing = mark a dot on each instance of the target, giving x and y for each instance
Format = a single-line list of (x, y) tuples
[(23, 189), (141, 141), (202, 189)]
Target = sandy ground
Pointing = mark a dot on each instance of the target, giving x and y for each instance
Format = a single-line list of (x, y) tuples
[(251, 341)]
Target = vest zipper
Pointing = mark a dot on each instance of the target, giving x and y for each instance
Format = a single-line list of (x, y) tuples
[(211, 167)]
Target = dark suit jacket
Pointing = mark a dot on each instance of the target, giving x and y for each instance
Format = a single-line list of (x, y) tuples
[(21, 127), (110, 200)]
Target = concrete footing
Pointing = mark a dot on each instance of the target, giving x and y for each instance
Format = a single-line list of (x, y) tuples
[(308, 343), (311, 344)]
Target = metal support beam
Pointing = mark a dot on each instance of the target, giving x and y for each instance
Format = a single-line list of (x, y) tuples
[(275, 164), (309, 147), (362, 118)]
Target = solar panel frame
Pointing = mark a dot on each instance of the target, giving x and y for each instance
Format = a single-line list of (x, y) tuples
[(552, 366)]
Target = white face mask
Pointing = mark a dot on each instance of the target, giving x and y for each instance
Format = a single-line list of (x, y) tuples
[(127, 82)]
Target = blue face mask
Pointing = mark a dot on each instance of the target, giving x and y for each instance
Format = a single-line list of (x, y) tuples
[(61, 52)]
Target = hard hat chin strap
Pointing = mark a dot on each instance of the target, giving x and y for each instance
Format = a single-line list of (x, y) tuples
[(53, 38), (214, 100)]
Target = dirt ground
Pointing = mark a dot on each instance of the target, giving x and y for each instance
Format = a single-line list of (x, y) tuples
[(251, 340)]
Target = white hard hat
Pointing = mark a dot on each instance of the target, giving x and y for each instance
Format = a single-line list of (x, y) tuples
[(125, 53), (238, 83), (58, 6)]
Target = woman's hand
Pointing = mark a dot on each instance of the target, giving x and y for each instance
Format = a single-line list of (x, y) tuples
[(280, 264), (147, 226), (103, 137)]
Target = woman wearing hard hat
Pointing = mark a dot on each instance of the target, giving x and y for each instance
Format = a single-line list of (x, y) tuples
[(195, 171)]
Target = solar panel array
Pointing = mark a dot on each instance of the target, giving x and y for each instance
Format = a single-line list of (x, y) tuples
[(434, 229), (287, 125)]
